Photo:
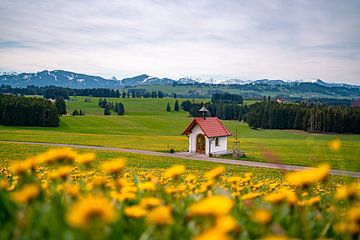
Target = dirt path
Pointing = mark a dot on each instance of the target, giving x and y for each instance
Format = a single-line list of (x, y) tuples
[(189, 156)]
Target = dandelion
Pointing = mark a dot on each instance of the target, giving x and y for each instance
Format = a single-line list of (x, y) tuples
[(174, 171), (63, 155), (190, 178), (211, 206), (160, 216), (147, 186), (226, 223), (335, 144), (213, 234), (21, 167), (114, 166), (281, 196), (135, 211), (61, 173), (309, 202), (307, 177), (85, 159), (26, 194), (3, 184), (347, 192), (349, 227), (150, 202), (91, 208), (215, 173), (262, 216), (250, 196)]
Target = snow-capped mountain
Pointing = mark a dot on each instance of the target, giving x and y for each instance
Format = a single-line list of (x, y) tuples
[(145, 79), (57, 78), (77, 80)]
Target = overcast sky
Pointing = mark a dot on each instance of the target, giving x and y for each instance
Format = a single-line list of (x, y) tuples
[(288, 40)]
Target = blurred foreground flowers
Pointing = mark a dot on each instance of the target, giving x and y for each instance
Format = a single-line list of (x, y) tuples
[(64, 194)]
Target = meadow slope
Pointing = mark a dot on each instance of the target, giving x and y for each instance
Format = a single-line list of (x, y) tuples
[(148, 126)]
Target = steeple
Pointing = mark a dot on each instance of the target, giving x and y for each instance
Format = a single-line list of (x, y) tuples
[(204, 111)]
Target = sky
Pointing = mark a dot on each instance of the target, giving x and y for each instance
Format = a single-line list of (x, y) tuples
[(289, 40)]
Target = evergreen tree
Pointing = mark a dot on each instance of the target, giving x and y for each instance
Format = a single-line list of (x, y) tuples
[(60, 106), (168, 109), (75, 113), (121, 109), (107, 109), (176, 107)]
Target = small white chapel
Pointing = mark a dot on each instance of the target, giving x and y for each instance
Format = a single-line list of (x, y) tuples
[(207, 135)]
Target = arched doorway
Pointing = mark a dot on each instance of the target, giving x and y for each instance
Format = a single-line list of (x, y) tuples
[(200, 143)]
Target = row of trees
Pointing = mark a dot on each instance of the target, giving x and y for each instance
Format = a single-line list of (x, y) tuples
[(226, 98), (176, 107), (110, 106), (308, 117), (60, 92), (22, 111), (220, 110)]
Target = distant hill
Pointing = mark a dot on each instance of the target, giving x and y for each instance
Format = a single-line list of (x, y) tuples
[(192, 86)]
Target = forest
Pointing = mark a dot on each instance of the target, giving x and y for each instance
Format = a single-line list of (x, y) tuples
[(24, 111), (307, 117)]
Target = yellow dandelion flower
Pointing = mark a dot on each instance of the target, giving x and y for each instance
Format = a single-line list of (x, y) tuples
[(123, 196), (150, 202), (349, 227), (310, 201), (57, 156), (353, 213), (262, 216), (135, 211), (21, 167), (309, 176), (215, 173), (26, 194), (114, 166), (72, 189), (174, 171), (213, 234), (211, 206), (147, 186), (277, 197), (190, 178), (335, 145), (91, 208), (348, 192), (3, 184), (85, 159), (61, 173), (160, 216), (249, 196), (173, 190), (96, 182), (226, 223)]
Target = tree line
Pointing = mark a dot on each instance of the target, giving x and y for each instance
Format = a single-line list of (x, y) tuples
[(22, 111), (54, 92), (226, 98), (307, 117), (221, 110)]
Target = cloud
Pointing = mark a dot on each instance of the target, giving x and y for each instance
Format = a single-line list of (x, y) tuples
[(246, 39)]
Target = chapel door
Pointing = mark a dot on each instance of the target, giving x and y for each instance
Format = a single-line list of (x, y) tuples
[(200, 144)]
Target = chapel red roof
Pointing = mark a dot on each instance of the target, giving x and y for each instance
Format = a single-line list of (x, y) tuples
[(211, 126)]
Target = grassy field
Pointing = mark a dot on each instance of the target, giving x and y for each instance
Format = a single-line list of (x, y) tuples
[(148, 126), (114, 195)]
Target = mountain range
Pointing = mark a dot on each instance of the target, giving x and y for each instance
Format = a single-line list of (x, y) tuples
[(69, 79)]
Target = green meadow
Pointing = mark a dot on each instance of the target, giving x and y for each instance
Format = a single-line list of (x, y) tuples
[(146, 125)]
